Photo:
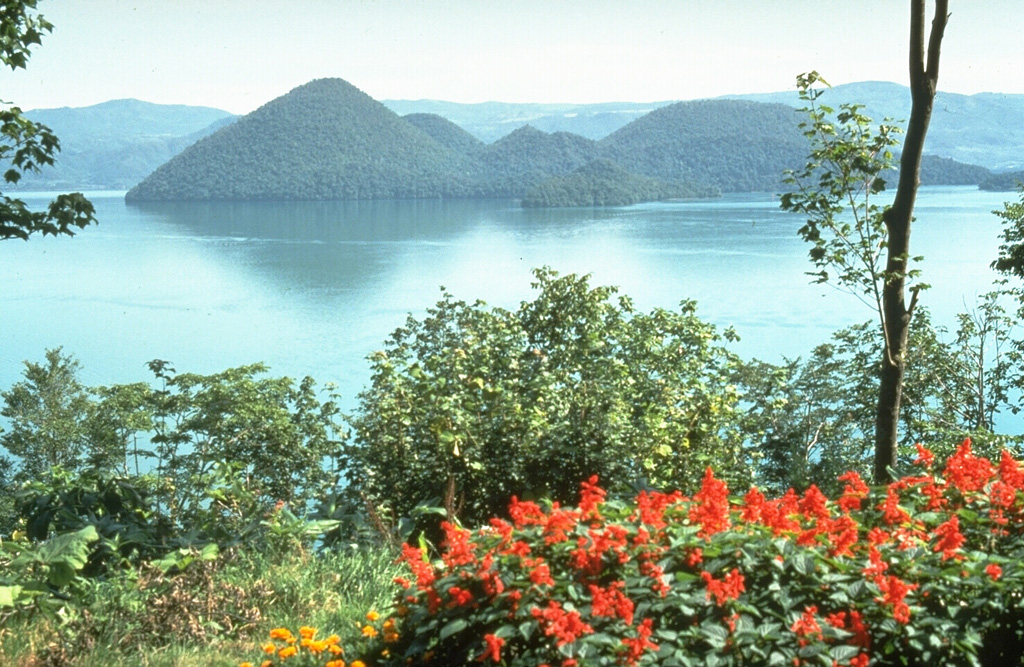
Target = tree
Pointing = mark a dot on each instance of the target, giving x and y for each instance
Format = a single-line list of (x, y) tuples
[(26, 145), (472, 405), (47, 411), (850, 232)]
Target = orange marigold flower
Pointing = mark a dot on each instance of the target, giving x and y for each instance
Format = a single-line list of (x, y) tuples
[(245, 664), (370, 631), (335, 663), (287, 652), (307, 632), (357, 663), (372, 616), (267, 663), (282, 633), (269, 648)]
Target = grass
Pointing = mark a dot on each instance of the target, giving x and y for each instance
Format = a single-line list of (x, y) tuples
[(212, 614)]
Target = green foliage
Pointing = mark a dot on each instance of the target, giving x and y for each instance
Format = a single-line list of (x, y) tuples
[(35, 576), (809, 420), (919, 572), (27, 145), (604, 183), (836, 191), (256, 439), (472, 405), (47, 412), (1011, 251)]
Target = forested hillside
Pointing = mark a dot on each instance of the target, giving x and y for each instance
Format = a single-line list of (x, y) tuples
[(526, 157), (733, 145), (328, 140), (604, 183), (446, 133), (323, 140)]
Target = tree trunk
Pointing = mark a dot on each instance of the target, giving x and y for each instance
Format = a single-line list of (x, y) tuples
[(924, 75)]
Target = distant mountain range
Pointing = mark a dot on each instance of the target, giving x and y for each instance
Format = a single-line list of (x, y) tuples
[(986, 129), (329, 140), (114, 145)]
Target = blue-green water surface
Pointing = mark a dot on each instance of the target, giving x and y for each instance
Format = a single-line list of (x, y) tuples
[(312, 288)]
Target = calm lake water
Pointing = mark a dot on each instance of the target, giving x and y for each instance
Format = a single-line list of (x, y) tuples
[(312, 288)]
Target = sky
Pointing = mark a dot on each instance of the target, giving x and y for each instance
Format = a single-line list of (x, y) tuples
[(239, 54)]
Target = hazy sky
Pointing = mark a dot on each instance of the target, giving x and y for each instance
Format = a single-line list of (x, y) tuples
[(238, 54)]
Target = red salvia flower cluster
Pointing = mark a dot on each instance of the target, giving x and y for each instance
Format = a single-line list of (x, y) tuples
[(610, 557)]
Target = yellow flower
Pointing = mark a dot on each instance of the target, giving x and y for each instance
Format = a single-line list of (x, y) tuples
[(307, 632), (287, 652), (369, 631), (372, 616)]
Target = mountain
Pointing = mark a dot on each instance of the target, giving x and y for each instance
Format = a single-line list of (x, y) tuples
[(113, 145), (984, 129), (734, 145), (446, 133), (490, 121), (1004, 182), (528, 156), (604, 183), (323, 140)]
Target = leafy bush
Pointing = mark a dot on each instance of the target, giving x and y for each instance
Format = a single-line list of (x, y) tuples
[(924, 571), (472, 405)]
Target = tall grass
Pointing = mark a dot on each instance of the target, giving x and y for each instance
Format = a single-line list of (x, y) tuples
[(208, 614)]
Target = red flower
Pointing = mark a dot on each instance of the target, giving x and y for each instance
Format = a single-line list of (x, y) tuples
[(493, 649), (591, 495), (1010, 471), (854, 491), (711, 506), (924, 457), (458, 550), (459, 596), (950, 538), (611, 601), (966, 471), (541, 574), (728, 588), (525, 513), (635, 647), (565, 626), (894, 591), (892, 513), (807, 627), (994, 571)]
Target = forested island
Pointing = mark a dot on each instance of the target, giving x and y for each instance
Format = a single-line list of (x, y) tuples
[(327, 140)]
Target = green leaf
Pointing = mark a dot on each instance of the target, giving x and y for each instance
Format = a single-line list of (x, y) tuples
[(452, 627), (8, 595)]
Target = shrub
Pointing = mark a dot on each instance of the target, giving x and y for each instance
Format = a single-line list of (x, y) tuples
[(924, 571), (471, 405)]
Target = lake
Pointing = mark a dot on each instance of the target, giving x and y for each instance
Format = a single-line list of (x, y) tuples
[(311, 288)]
